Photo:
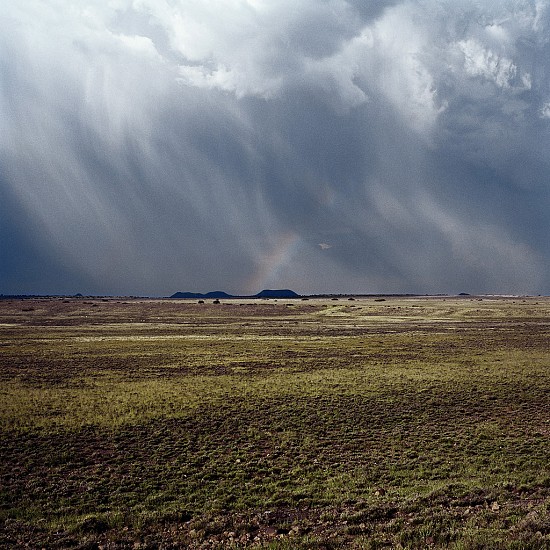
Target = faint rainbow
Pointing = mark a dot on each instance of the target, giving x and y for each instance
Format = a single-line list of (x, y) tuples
[(271, 264)]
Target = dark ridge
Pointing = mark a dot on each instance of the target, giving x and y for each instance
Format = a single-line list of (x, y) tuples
[(218, 294), (30, 296), (194, 295), (284, 293)]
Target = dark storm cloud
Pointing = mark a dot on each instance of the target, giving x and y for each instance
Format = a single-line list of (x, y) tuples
[(347, 146)]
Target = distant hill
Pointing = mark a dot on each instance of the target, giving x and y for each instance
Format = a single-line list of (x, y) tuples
[(216, 294), (284, 293)]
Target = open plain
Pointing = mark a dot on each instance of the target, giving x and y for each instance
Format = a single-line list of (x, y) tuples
[(402, 422)]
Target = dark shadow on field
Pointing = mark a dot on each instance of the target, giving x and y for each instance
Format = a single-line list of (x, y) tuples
[(407, 468)]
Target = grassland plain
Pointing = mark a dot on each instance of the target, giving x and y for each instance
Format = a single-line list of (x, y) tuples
[(404, 423)]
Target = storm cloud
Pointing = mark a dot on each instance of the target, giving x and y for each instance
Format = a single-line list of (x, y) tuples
[(150, 146)]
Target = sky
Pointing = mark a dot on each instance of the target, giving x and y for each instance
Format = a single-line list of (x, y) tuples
[(335, 146)]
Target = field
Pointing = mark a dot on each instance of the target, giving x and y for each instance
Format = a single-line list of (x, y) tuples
[(321, 423)]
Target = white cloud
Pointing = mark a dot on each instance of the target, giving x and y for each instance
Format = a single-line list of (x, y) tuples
[(481, 61), (141, 45), (397, 67), (545, 110), (249, 48)]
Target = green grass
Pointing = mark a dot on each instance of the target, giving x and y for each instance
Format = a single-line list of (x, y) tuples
[(408, 423)]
